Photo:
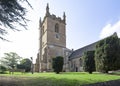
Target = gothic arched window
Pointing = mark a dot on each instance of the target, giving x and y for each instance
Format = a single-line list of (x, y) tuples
[(57, 28)]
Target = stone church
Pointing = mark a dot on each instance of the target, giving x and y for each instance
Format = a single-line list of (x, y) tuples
[(52, 43)]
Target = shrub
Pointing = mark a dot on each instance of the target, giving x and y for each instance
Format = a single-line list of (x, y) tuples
[(89, 62), (57, 64)]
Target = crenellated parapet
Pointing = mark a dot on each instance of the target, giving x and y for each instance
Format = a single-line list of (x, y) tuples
[(52, 16)]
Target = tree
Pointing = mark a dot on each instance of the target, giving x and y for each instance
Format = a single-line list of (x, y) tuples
[(57, 64), (11, 59), (89, 62), (25, 64), (12, 13), (107, 54), (2, 69)]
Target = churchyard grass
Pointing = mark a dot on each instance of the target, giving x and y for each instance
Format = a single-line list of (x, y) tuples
[(62, 79)]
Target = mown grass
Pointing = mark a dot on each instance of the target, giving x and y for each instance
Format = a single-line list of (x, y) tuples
[(63, 79)]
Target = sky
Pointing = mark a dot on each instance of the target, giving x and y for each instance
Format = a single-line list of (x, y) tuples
[(87, 22)]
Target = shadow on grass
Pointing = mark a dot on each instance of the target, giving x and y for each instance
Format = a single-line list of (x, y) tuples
[(51, 79), (68, 82), (118, 73), (38, 81)]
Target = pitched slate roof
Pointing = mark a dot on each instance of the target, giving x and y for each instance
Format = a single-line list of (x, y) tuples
[(79, 52)]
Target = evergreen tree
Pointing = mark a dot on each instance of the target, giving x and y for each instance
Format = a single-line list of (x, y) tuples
[(89, 62), (57, 64), (12, 13), (107, 54), (25, 64)]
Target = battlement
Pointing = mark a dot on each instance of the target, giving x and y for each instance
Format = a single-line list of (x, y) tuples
[(52, 16)]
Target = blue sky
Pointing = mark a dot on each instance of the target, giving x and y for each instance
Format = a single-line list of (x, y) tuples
[(86, 19), (87, 22)]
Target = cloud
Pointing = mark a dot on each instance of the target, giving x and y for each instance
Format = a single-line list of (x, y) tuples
[(109, 29)]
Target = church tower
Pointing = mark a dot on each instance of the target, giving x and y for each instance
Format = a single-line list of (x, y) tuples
[(52, 39)]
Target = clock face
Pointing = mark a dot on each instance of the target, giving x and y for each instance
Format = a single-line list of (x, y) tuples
[(57, 36)]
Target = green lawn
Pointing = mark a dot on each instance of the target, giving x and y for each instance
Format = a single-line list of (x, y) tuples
[(63, 79)]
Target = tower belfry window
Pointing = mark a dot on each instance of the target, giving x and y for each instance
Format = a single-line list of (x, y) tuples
[(56, 28)]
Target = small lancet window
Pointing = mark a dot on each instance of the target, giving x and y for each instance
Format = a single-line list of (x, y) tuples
[(43, 30), (56, 28)]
